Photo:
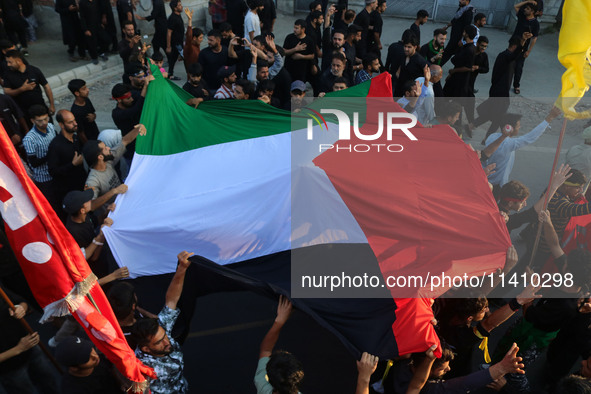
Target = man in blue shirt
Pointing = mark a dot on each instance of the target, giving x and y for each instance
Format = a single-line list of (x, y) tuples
[(504, 156)]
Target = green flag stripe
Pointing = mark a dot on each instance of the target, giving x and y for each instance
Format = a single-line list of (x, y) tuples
[(217, 121)]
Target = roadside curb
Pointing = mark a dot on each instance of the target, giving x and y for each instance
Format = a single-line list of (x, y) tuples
[(91, 73)]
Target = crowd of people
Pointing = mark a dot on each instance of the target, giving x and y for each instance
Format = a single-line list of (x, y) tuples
[(81, 169)]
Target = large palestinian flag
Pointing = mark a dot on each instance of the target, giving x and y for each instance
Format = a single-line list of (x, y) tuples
[(244, 186)]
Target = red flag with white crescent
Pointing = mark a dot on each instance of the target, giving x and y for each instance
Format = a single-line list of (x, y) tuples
[(54, 266)]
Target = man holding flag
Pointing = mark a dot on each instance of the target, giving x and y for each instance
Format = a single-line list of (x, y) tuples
[(45, 249)]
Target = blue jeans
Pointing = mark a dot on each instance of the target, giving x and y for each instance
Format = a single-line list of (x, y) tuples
[(37, 375)]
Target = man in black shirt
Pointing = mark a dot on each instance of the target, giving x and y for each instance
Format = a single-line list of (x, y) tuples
[(497, 104), (299, 52), (313, 30), (158, 15), (77, 204), (13, 119), (125, 12), (415, 27), (91, 19), (363, 21), (395, 57), (375, 31), (21, 360), (268, 16), (64, 157), (458, 82), (129, 42), (412, 67), (128, 111), (330, 45), (352, 38), (480, 61), (83, 111), (463, 17), (72, 35), (88, 372), (195, 84), (212, 58), (526, 23), (174, 37), (22, 82)]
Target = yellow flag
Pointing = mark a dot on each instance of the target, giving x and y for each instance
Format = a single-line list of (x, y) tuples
[(574, 52)]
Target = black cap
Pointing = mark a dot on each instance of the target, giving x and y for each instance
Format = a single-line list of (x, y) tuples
[(134, 69), (73, 351), (226, 71), (76, 199)]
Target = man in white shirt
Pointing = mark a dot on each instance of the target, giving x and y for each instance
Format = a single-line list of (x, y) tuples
[(252, 23)]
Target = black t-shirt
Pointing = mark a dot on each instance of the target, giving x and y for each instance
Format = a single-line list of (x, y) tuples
[(458, 85), (282, 86), (126, 119), (15, 79), (377, 22), (458, 25), (12, 332), (298, 69), (416, 30), (362, 20), (394, 59), (502, 73), (410, 71), (175, 23), (526, 25), (83, 233), (66, 176), (9, 114), (211, 63), (123, 7), (100, 381), (196, 91), (480, 60), (90, 129), (462, 339)]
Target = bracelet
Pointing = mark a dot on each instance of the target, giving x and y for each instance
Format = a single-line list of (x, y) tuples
[(514, 304), (94, 241)]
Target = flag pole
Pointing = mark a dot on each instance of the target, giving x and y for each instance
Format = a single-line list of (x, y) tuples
[(27, 327), (556, 156)]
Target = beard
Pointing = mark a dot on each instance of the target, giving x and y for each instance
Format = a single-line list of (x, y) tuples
[(108, 157)]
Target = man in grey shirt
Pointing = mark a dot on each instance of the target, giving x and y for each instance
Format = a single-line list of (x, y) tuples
[(101, 159)]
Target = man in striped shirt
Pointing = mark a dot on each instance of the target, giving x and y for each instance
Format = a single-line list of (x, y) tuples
[(36, 144)]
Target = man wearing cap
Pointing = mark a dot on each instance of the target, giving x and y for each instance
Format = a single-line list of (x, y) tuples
[(103, 178), (297, 93), (579, 156), (156, 348), (227, 74), (137, 78), (128, 111), (64, 157), (87, 371), (77, 205)]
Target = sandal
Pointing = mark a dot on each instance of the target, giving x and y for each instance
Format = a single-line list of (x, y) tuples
[(516, 90)]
